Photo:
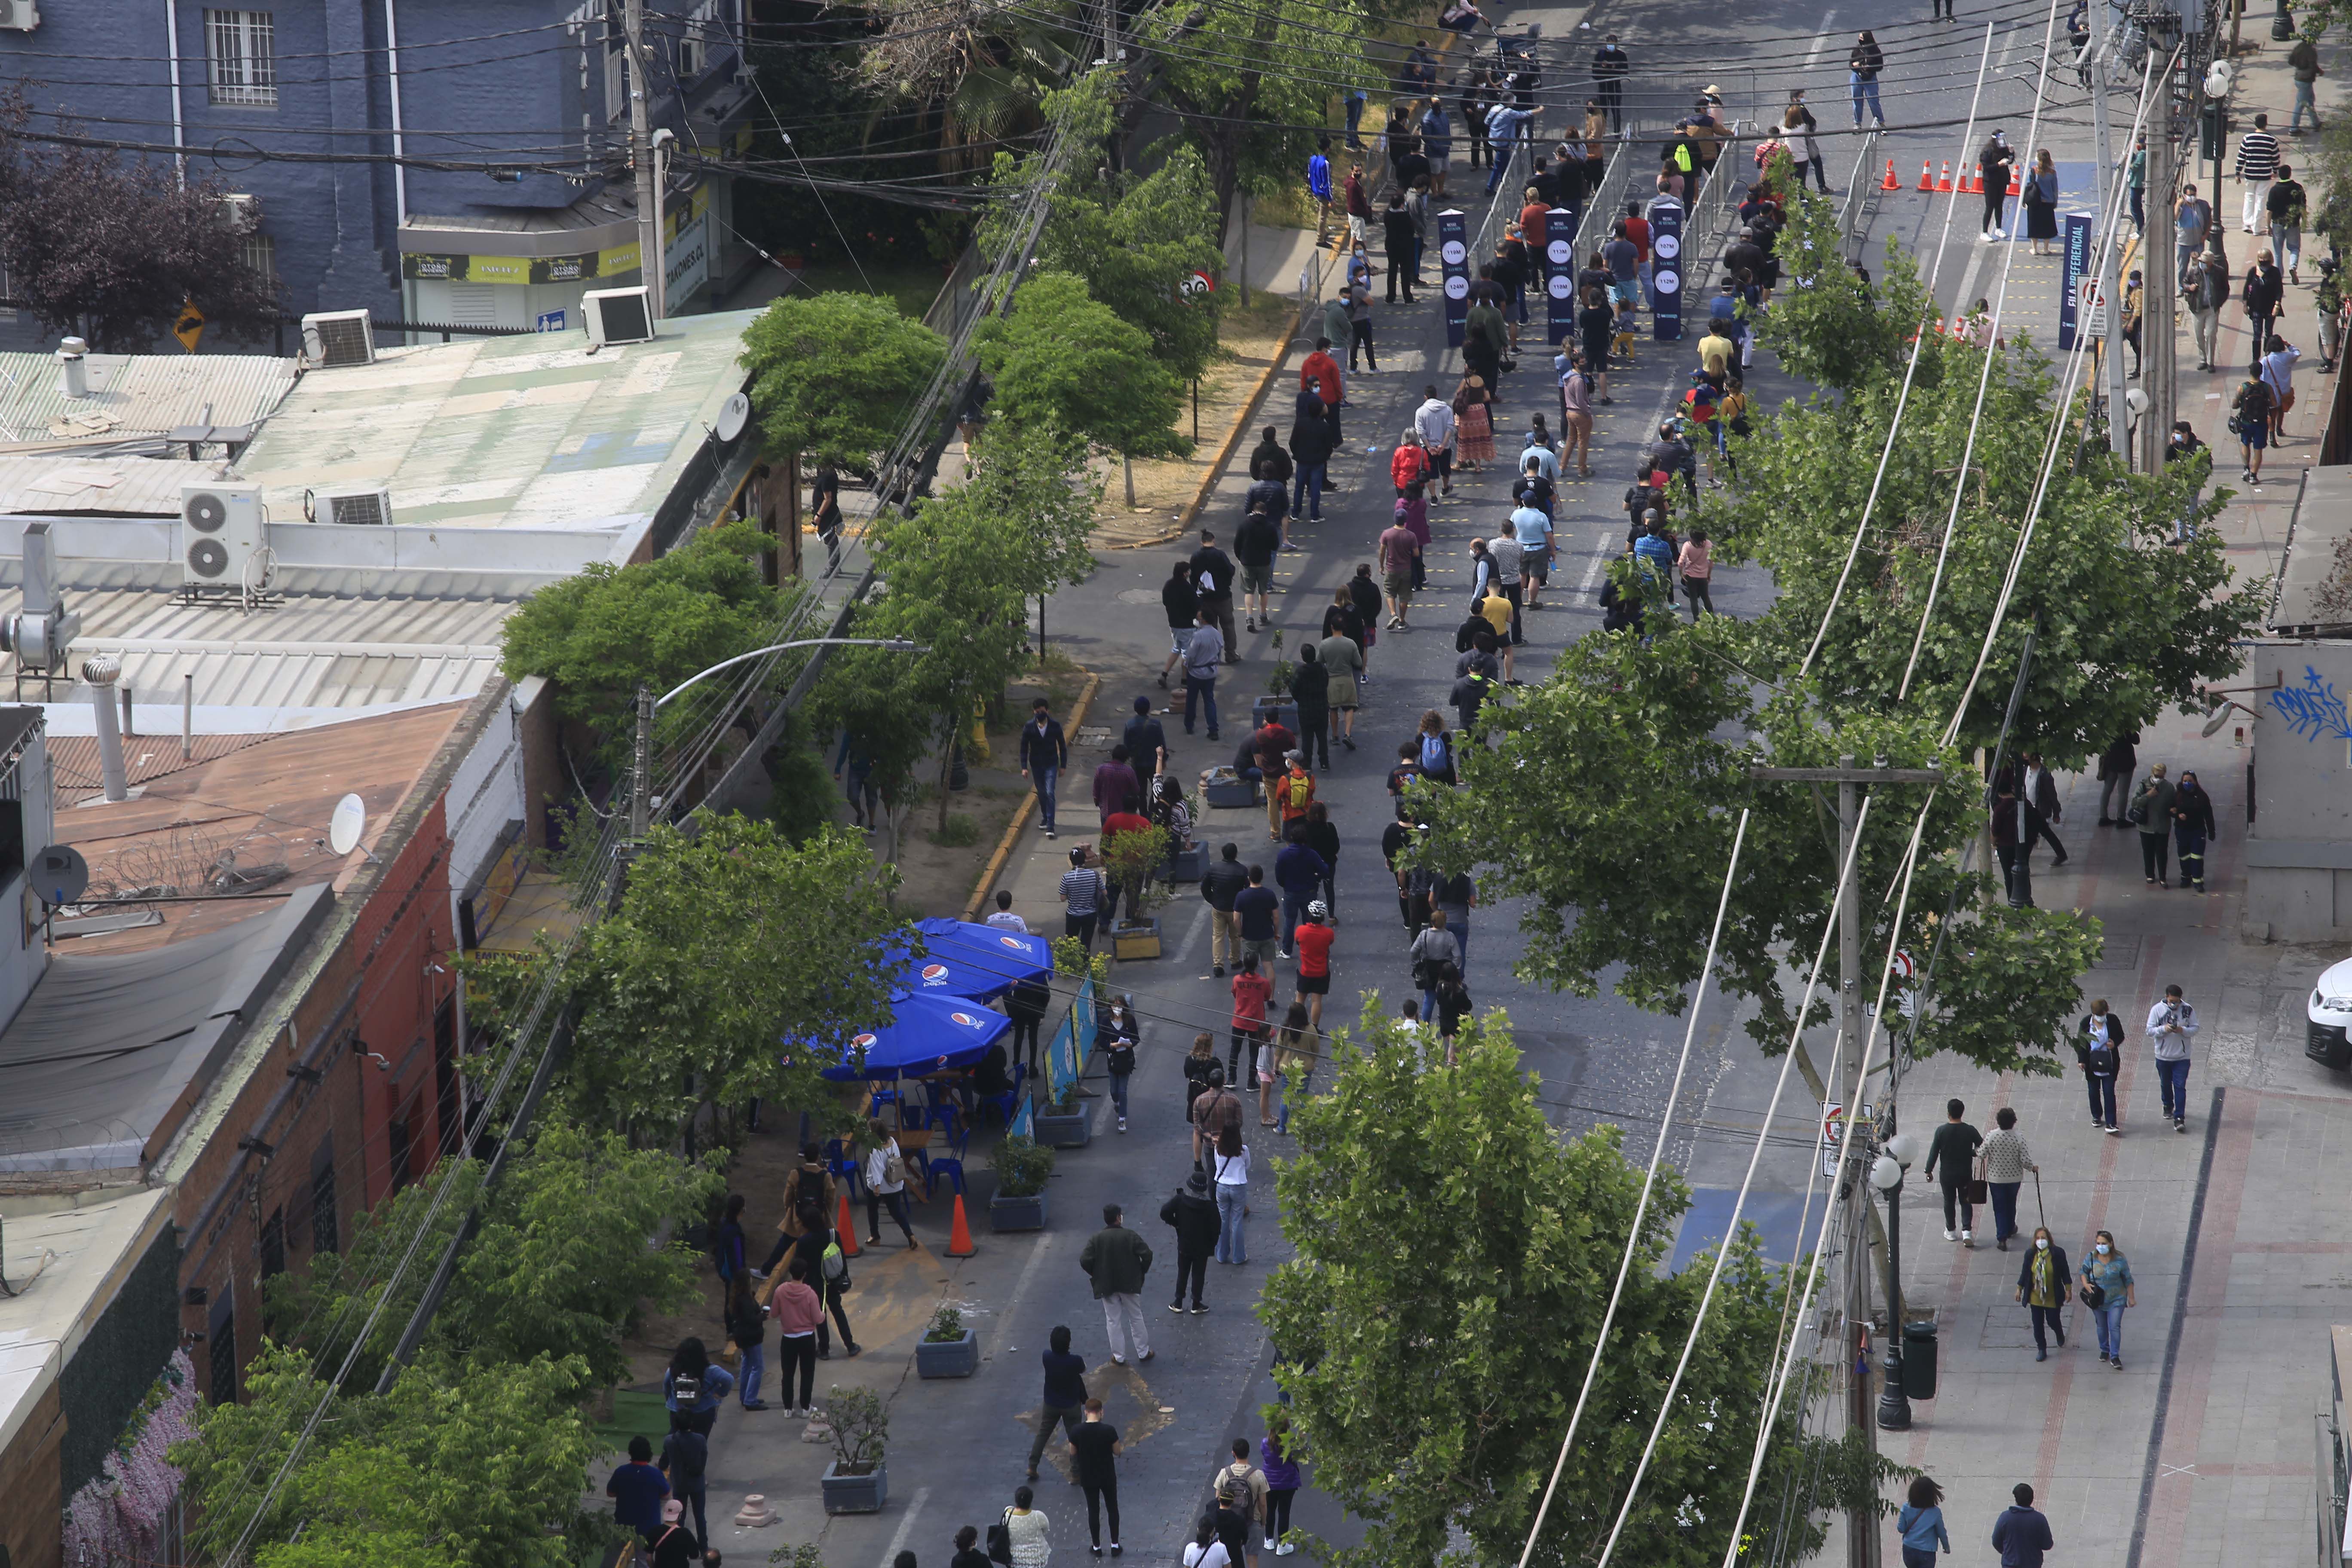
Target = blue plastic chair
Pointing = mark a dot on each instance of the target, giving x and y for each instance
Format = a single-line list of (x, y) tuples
[(1005, 1104), (945, 1116), (846, 1171), (950, 1166)]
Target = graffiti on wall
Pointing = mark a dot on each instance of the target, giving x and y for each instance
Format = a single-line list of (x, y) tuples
[(2312, 709)]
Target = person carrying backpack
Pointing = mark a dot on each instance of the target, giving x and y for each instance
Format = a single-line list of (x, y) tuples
[(1435, 749), (886, 1182), (2249, 421), (2100, 1050)]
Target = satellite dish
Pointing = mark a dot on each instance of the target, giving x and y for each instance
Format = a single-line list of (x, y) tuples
[(345, 827), (733, 415), (60, 876)]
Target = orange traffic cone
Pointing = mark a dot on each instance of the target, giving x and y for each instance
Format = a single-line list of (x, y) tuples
[(1891, 182), (846, 1230), (960, 1233), (1943, 181), (1925, 184), (1976, 182)]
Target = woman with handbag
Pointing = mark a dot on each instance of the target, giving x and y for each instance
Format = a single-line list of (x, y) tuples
[(2003, 1165), (1024, 1540), (2107, 1290), (2040, 199), (2043, 1285)]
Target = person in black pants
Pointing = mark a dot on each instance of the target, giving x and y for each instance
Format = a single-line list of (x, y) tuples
[(1192, 1214), (1954, 1150), (1026, 1006), (808, 1258), (1093, 1448)]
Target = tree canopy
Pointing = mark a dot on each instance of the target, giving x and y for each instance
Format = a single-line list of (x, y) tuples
[(1432, 1383), (835, 375), (1061, 361)]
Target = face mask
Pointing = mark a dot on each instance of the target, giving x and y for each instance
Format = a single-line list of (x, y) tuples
[(2040, 1244), (2103, 1249)]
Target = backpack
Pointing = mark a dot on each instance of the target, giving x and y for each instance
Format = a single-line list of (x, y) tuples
[(686, 1454), (1436, 755), (834, 1263)]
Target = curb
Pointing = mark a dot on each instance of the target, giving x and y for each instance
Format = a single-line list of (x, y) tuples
[(1234, 439), (995, 867)]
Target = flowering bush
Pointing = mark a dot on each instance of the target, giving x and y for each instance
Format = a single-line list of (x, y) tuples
[(120, 1513)]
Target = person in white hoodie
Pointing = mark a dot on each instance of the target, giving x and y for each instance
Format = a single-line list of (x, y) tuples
[(2170, 1024)]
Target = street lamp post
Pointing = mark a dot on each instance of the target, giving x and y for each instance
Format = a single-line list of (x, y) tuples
[(1887, 1174), (642, 803)]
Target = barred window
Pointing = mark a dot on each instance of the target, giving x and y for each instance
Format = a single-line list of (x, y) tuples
[(261, 256), (242, 46)]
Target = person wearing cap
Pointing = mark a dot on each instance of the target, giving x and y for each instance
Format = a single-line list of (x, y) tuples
[(1192, 1214), (674, 1545), (1311, 939)]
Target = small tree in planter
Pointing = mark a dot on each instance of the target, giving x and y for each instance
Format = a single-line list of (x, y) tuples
[(948, 1348), (856, 1481), (1132, 861), (1279, 679), (1277, 703), (1064, 1125), (1021, 1167)]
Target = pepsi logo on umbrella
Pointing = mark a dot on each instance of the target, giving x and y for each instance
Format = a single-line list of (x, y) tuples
[(935, 974)]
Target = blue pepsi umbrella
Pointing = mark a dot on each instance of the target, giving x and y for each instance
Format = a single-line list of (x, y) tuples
[(976, 961), (925, 1035)]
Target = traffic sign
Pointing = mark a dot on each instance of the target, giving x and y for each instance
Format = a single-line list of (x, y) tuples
[(1833, 1137), (190, 327), (1907, 968)]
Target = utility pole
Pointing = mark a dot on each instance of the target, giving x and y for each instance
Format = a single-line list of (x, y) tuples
[(641, 158), (640, 768), (1861, 1525), (2159, 297), (2111, 309)]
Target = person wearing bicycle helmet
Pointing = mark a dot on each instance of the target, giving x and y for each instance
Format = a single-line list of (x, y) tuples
[(1312, 942)]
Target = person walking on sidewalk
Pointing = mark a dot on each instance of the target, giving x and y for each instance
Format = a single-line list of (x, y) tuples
[(1219, 886), (1996, 160), (2304, 58), (2021, 1534), (1318, 186), (1954, 1148), (1045, 752), (2171, 1024), (2117, 765), (746, 1325), (2040, 792), (2006, 1160), (2107, 1290), (1863, 64), (1094, 1452), (1192, 1214), (1203, 656), (2151, 812), (1252, 996), (2192, 824), (1313, 941), (1282, 1482), (1399, 240), (2263, 292), (2043, 1286), (886, 1184), (1921, 1524), (2206, 283), (1181, 601), (2257, 165), (2284, 208), (2100, 1049), (1117, 1260)]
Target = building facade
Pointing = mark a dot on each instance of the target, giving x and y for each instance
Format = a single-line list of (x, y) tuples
[(533, 101)]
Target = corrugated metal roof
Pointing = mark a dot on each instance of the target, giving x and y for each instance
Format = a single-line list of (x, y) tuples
[(116, 486), (312, 655), (516, 432), (136, 395)]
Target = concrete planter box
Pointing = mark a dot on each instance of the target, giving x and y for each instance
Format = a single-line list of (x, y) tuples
[(948, 1358), (855, 1494), (1234, 794), (1025, 1211), (1132, 942), (1064, 1129), (1281, 709), (1186, 865)]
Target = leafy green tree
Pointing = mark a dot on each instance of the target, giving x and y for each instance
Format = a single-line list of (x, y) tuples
[(1060, 361), (1625, 881), (1826, 325), (559, 1267), (604, 633), (1431, 1382), (462, 1465), (726, 940), (835, 375), (2129, 623), (959, 574)]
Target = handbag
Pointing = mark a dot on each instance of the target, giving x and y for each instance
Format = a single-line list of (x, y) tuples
[(1974, 1191), (2137, 811), (999, 1542), (2094, 1295)]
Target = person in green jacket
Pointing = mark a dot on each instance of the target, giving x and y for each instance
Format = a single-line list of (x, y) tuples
[(1116, 1260), (2151, 812), (1485, 339)]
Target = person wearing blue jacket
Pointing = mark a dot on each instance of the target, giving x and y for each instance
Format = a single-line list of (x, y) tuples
[(2021, 1534), (695, 1384), (1299, 871), (1921, 1524)]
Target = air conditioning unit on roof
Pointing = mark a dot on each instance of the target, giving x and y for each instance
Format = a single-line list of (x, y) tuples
[(618, 316), (336, 338), (364, 504), (19, 15), (221, 531)]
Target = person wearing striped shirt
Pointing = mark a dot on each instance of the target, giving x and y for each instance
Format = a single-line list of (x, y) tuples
[(1082, 892), (2257, 157)]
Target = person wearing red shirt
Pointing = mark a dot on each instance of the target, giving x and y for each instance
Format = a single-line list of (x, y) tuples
[(1253, 995), (1533, 219), (1409, 464), (1312, 942), (1318, 372), (1637, 229)]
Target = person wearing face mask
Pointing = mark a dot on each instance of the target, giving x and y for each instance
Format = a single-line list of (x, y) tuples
[(1115, 1037), (2107, 1290), (2044, 1284)]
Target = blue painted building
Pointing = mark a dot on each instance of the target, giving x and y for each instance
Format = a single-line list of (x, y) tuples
[(536, 94)]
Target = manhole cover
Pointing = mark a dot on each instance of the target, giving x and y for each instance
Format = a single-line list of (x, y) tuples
[(1139, 596), (1089, 735), (2118, 952)]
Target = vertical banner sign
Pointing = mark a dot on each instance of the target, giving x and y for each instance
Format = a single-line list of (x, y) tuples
[(1453, 263), (1560, 273), (2073, 267), (1666, 269)]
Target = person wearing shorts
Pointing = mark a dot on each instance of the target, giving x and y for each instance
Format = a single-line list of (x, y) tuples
[(1312, 942), (1576, 417), (1398, 547)]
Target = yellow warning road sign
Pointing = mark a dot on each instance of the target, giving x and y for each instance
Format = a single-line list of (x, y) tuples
[(190, 328)]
